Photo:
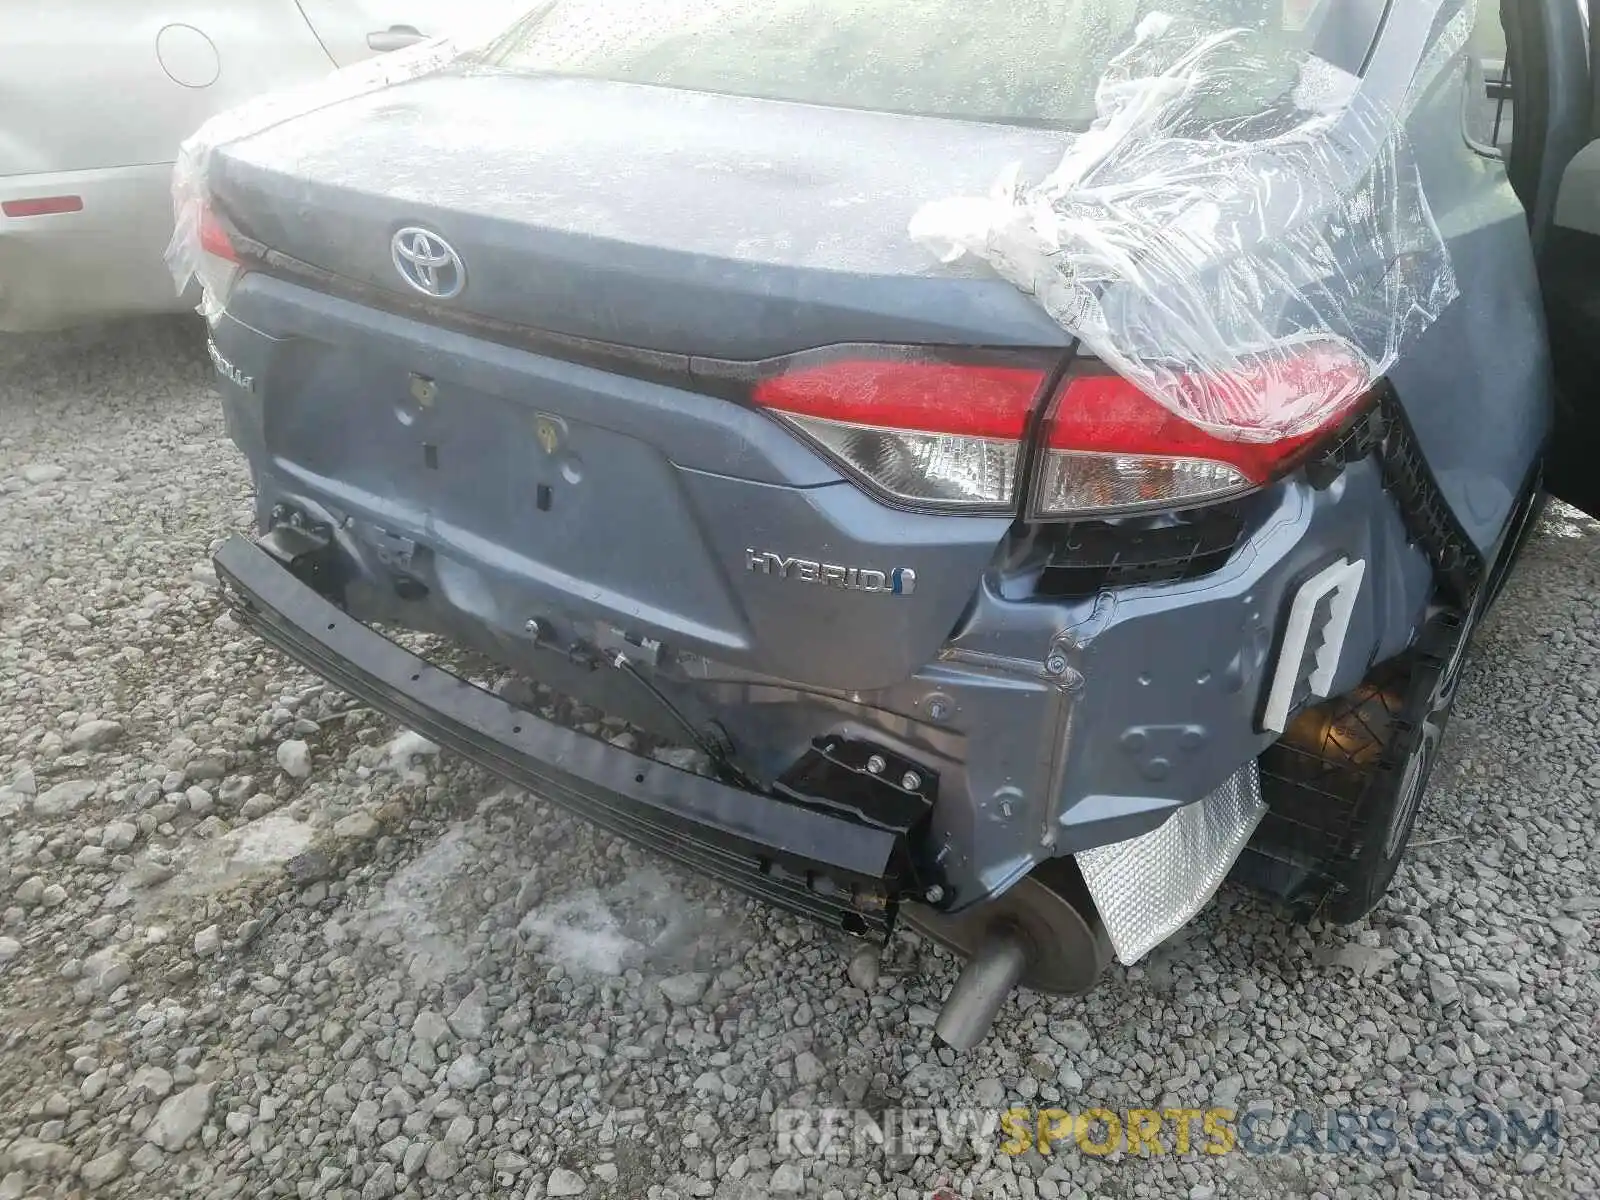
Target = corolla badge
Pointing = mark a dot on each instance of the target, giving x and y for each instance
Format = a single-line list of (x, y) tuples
[(899, 581), (428, 263), (227, 370)]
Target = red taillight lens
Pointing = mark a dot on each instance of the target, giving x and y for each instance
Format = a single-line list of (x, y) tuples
[(934, 433), (214, 238), (1111, 448)]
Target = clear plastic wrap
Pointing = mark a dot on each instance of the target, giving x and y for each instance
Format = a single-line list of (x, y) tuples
[(1252, 254)]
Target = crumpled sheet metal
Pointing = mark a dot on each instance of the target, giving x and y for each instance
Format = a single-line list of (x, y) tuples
[(185, 258), (1255, 273), (1148, 887)]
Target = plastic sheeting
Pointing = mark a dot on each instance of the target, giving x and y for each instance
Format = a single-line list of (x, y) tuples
[(1254, 265)]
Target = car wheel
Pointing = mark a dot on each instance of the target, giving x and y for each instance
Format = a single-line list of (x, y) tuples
[(1345, 783), (1386, 811)]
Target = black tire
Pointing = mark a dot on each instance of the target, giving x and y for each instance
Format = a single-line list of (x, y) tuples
[(1346, 782), (1387, 811)]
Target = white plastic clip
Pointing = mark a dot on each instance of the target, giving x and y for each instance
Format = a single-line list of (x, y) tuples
[(1343, 582)]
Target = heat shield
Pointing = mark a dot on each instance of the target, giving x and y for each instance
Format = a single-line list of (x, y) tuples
[(1148, 887)]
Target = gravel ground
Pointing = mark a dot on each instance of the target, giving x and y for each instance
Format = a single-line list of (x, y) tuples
[(255, 941)]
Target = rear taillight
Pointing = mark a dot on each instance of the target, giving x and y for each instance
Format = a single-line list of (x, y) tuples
[(951, 434), (214, 238), (218, 266), (937, 434), (1110, 448)]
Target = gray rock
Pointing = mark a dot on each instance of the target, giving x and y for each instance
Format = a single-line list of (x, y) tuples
[(208, 941), (9, 948), (30, 891), (466, 1073), (563, 1182), (1072, 1034), (119, 835), (37, 1156), (786, 1179), (863, 969), (94, 735), (180, 1117), (1504, 982), (685, 989), (258, 805), (38, 472), (294, 756), (1442, 987), (358, 826), (428, 1026), (468, 1018), (98, 1172), (106, 969), (154, 1083), (808, 1068), (64, 797), (380, 1184), (147, 1158), (441, 1162), (1567, 928)]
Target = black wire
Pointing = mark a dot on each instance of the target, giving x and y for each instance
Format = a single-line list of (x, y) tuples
[(725, 769)]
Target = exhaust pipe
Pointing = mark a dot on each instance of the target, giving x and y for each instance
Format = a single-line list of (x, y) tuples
[(985, 984)]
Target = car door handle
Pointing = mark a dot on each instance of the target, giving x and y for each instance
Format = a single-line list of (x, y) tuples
[(396, 37)]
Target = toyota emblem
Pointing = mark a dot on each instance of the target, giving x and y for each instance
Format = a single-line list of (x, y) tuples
[(428, 263)]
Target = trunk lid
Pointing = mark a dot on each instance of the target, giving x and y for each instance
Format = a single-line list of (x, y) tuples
[(648, 217)]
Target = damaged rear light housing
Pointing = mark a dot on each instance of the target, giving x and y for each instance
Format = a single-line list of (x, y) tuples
[(214, 239), (1109, 448), (917, 432), (218, 266)]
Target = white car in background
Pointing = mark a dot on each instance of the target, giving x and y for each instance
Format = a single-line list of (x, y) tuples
[(95, 97)]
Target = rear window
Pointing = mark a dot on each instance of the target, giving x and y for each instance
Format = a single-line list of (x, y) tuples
[(1021, 61)]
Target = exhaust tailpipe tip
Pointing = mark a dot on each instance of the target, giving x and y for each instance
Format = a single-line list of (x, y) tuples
[(987, 981)]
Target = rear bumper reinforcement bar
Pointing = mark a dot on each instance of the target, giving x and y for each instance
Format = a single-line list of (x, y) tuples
[(798, 858)]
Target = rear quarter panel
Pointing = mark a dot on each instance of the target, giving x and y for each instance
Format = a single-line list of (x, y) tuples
[(1477, 385)]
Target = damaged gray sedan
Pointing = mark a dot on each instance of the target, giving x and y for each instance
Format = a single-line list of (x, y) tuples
[(1040, 459)]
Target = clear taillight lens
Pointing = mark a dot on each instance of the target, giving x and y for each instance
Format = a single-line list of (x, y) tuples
[(1072, 483), (945, 435)]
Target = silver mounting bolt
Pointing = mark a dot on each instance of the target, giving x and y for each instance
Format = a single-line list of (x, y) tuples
[(911, 781), (934, 894), (534, 628), (1056, 664), (938, 710), (876, 765)]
